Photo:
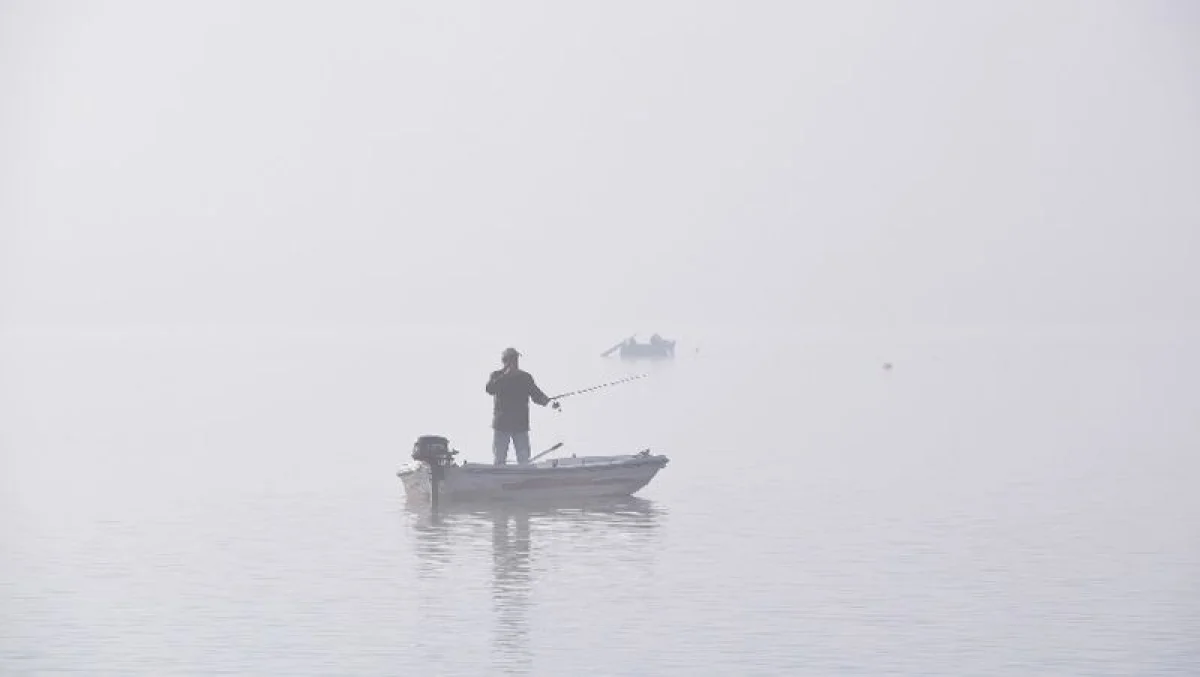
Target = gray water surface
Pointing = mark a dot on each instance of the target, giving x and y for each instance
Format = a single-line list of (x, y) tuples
[(229, 506)]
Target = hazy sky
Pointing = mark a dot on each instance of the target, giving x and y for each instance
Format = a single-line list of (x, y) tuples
[(643, 164)]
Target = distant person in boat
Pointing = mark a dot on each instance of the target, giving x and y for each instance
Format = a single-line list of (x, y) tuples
[(511, 390)]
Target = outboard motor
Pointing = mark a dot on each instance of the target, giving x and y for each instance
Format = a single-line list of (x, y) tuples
[(434, 450)]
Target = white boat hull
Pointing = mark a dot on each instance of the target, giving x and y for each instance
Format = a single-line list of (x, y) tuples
[(570, 478)]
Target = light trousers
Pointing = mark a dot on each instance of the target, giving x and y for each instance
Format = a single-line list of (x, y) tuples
[(520, 442)]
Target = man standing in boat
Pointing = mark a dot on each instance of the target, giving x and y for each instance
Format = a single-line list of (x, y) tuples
[(511, 390)]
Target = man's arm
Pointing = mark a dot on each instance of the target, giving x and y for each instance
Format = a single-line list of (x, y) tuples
[(492, 381), (536, 394)]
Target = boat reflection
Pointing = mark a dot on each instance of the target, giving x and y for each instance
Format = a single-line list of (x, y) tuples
[(456, 534)]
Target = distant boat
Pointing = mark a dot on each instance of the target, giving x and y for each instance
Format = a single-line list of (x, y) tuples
[(433, 475), (657, 348)]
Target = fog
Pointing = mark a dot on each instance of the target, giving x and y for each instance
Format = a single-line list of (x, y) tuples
[(250, 251), (374, 165)]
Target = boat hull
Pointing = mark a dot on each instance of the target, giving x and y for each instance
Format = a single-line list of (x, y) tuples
[(568, 479), (662, 351)]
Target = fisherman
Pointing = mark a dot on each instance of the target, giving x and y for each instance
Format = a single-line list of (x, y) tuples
[(511, 390)]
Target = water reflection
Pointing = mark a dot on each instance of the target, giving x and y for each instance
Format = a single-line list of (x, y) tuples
[(453, 539), (511, 586)]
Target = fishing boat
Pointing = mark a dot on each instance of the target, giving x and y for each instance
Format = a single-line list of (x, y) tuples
[(435, 476), (631, 349)]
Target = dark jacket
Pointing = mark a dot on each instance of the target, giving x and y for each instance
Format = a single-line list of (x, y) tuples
[(510, 400)]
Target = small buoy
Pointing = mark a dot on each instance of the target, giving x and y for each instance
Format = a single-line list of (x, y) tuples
[(887, 366)]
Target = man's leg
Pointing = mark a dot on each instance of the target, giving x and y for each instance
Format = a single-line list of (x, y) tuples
[(500, 447), (521, 444)]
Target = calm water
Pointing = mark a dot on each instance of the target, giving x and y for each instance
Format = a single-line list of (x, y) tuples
[(184, 505)]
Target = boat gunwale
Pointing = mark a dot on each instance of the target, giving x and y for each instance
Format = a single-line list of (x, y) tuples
[(659, 461), (529, 467)]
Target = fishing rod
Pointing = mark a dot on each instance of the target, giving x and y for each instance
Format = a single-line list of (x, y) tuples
[(555, 399), (554, 448), (602, 385)]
